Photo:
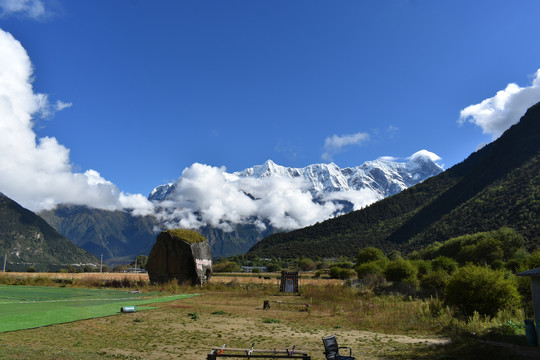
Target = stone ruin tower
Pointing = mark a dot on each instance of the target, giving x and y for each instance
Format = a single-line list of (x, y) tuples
[(180, 254)]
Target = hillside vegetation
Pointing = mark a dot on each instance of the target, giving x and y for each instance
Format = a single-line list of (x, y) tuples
[(28, 240), (497, 186)]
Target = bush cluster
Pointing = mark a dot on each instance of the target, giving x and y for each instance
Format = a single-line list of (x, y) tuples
[(470, 273)]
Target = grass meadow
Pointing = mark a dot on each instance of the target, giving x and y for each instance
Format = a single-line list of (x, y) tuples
[(229, 310)]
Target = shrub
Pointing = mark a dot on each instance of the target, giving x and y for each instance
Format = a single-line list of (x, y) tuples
[(226, 267), (497, 265), (515, 265), (273, 267), (369, 254), (423, 267), (343, 265), (341, 273), (373, 267), (435, 282), (445, 264), (474, 288), (399, 270), (306, 264), (533, 261), (395, 255), (485, 251)]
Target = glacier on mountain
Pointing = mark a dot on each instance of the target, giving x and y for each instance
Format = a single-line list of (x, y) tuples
[(283, 197)]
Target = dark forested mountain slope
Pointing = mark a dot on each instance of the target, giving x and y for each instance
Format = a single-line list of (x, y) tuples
[(120, 236), (499, 185), (27, 239), (116, 234)]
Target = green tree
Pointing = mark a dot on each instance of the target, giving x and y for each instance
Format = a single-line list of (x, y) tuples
[(306, 264), (273, 267), (141, 261), (445, 264), (373, 267), (400, 270), (369, 254), (515, 265), (228, 266), (337, 272), (533, 261), (477, 288), (435, 282)]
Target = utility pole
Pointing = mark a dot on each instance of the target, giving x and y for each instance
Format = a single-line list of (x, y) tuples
[(101, 264), (5, 258)]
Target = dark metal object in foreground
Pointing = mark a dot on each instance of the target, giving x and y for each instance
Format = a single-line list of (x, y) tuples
[(223, 352), (331, 349)]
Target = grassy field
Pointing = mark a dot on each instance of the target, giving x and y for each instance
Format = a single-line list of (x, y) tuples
[(376, 327), (25, 307)]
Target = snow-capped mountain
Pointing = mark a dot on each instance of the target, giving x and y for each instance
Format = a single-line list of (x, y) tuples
[(384, 177), (160, 192)]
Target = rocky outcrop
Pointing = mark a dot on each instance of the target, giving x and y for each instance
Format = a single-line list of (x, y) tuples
[(181, 255)]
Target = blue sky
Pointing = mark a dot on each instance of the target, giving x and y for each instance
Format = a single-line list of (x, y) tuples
[(148, 88)]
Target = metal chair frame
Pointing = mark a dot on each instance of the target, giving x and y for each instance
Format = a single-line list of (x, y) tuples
[(331, 349)]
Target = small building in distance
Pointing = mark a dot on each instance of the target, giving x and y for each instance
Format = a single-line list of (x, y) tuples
[(250, 269), (182, 255)]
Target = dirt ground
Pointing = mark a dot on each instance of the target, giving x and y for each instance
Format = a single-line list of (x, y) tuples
[(190, 328)]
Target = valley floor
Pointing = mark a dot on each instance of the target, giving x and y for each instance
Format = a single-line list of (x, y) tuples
[(232, 314), (173, 332)]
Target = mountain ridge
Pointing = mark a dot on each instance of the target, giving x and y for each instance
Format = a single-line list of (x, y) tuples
[(455, 202), (384, 176), (119, 235), (28, 239)]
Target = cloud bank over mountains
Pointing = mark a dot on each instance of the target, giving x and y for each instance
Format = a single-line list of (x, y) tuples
[(221, 199), (37, 171)]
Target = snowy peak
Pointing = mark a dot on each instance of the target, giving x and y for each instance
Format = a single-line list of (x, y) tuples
[(267, 169), (160, 193), (385, 176)]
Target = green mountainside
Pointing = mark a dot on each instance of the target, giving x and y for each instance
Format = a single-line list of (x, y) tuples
[(121, 237), (497, 186), (117, 235), (27, 240)]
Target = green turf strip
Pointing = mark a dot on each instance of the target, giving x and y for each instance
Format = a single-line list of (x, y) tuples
[(24, 307)]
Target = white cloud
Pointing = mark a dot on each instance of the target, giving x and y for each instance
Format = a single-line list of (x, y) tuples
[(207, 195), (425, 154), (335, 143), (60, 105), (36, 172), (359, 198), (496, 114), (34, 9)]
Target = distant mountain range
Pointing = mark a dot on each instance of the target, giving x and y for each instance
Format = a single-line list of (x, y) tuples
[(119, 236), (497, 186), (383, 177), (27, 240)]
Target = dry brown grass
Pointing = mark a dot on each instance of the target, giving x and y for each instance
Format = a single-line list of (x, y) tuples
[(79, 276), (217, 278), (226, 314)]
